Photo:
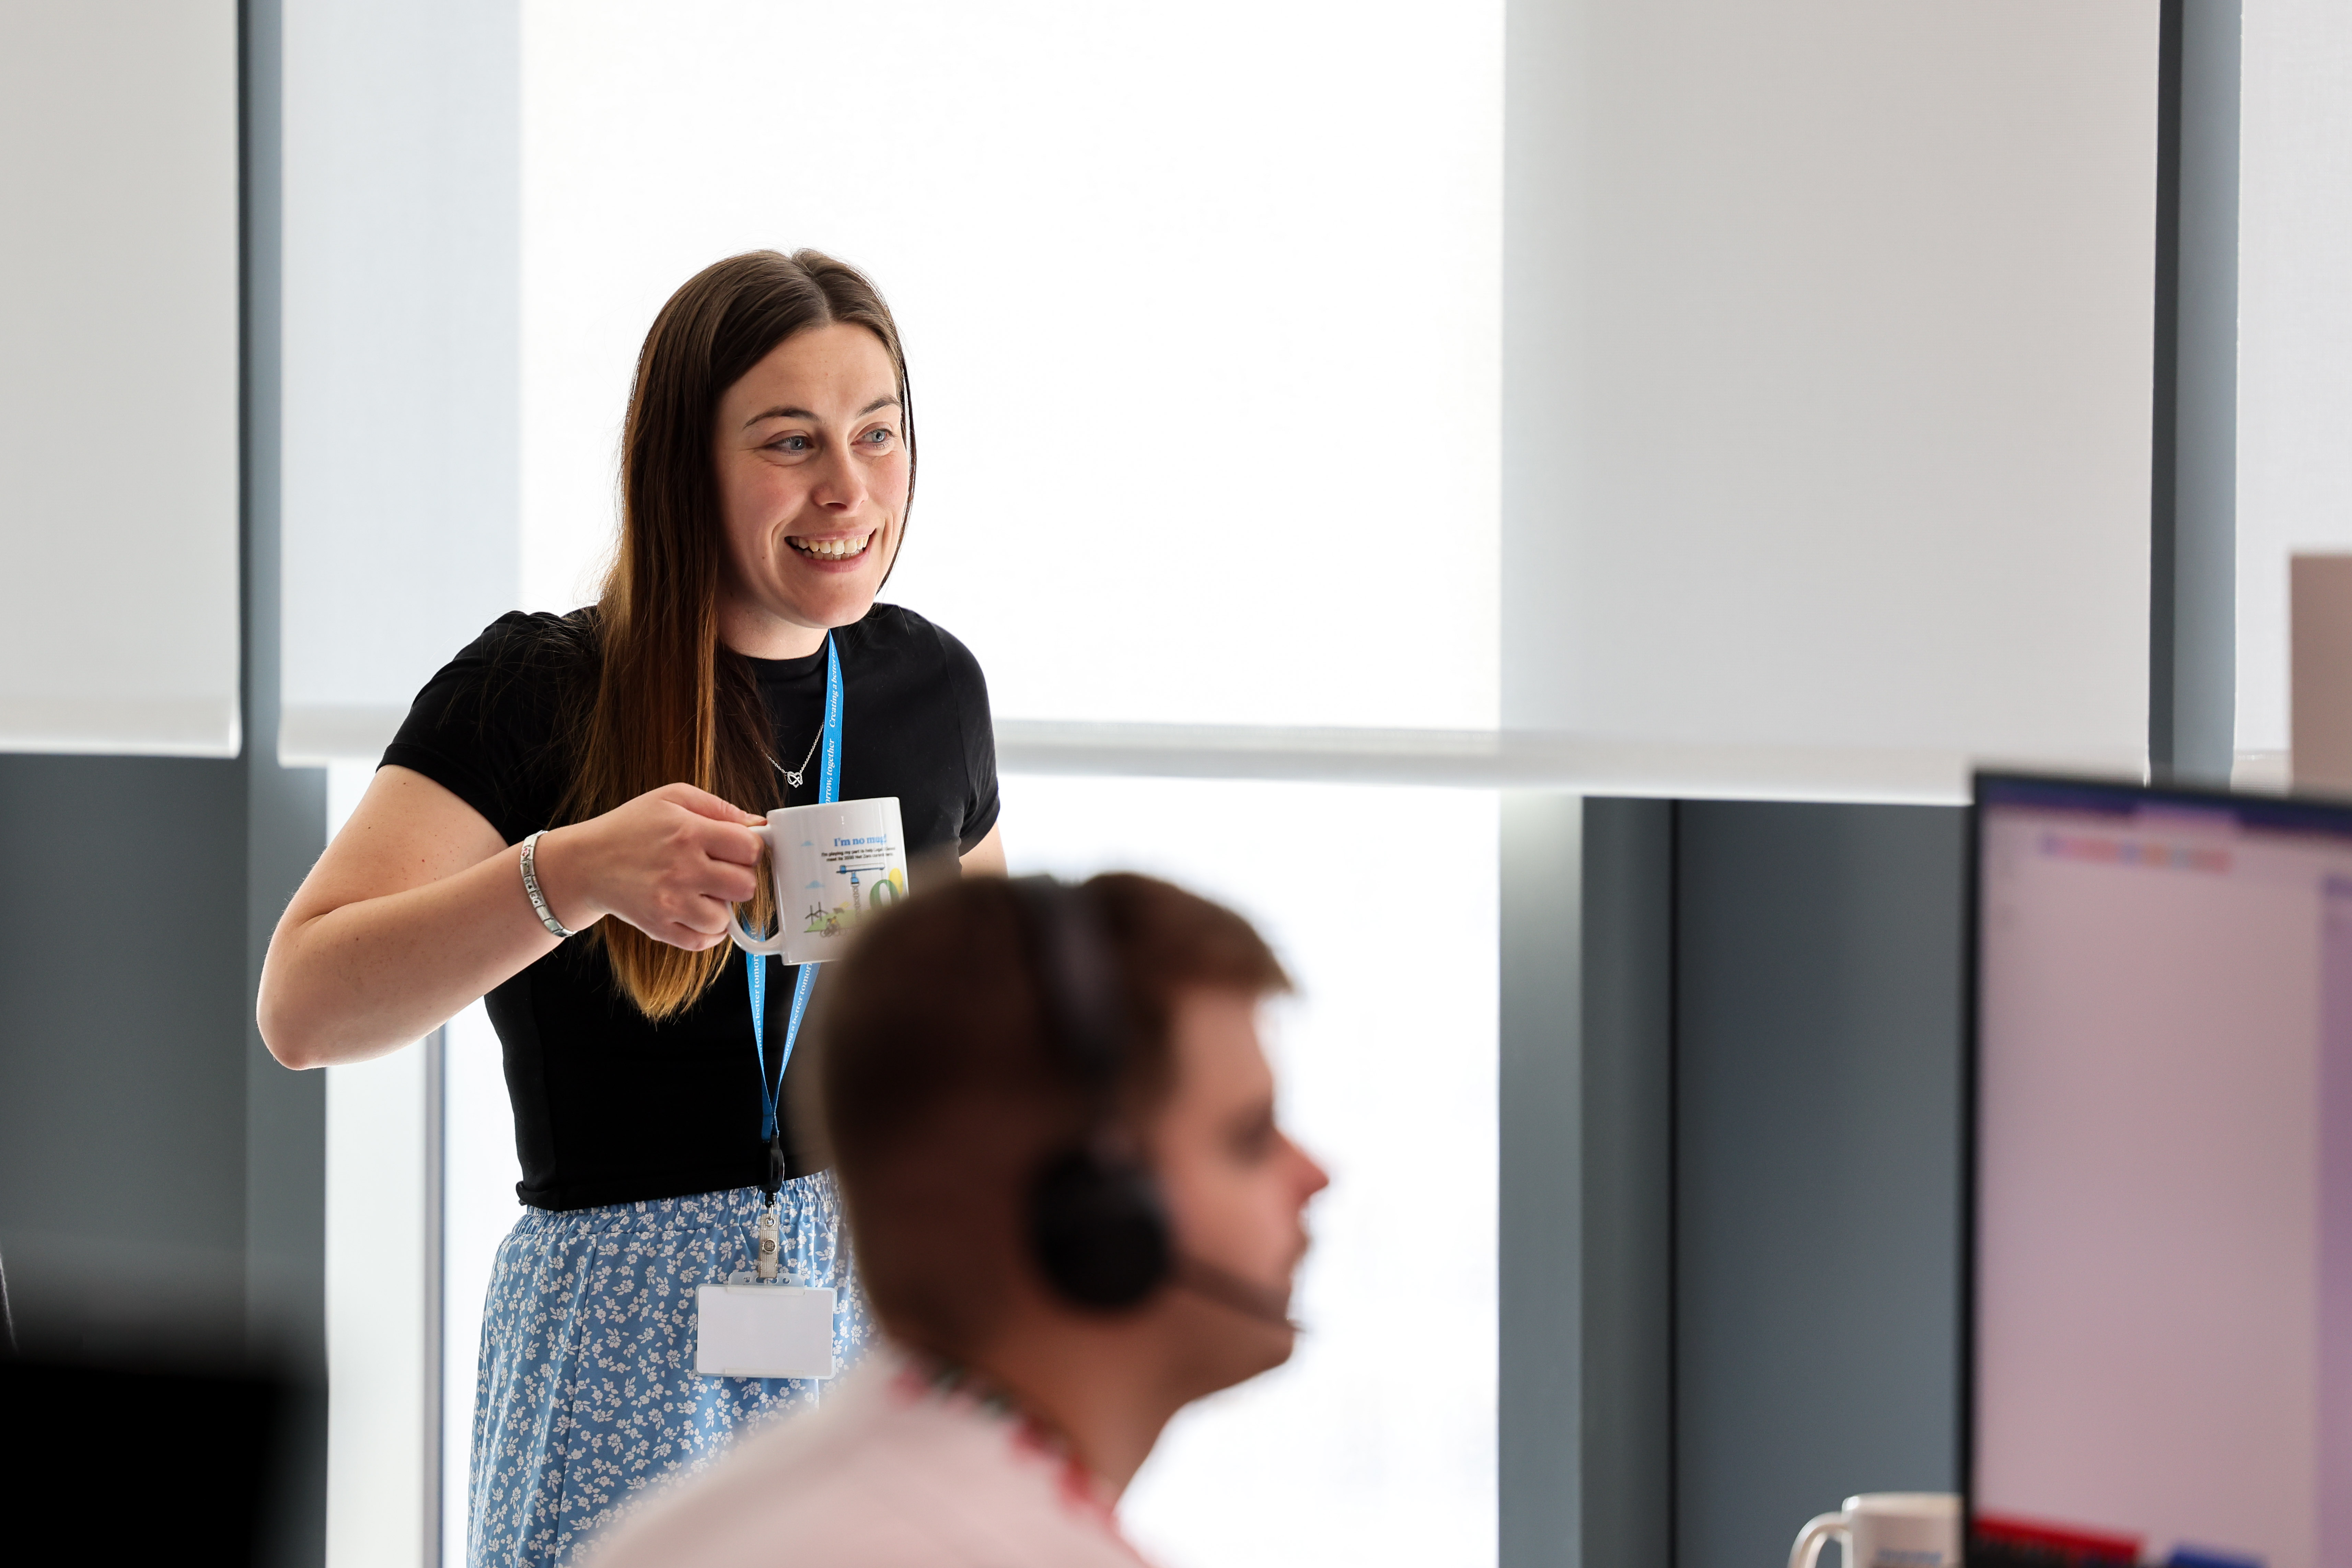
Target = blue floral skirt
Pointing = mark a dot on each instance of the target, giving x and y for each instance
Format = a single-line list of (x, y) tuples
[(587, 1395)]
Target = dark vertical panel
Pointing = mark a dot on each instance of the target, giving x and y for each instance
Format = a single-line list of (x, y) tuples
[(122, 1055), (1585, 1122), (1818, 1073), (2192, 619), (1540, 1326), (284, 823), (2165, 370), (1628, 1125)]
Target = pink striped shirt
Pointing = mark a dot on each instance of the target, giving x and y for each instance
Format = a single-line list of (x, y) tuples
[(895, 1469)]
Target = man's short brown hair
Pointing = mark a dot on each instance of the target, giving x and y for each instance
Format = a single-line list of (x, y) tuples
[(938, 1096)]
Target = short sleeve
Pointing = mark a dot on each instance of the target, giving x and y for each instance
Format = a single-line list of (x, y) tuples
[(485, 728), (978, 728)]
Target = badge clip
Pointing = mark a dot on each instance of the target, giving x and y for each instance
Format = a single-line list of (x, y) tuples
[(767, 1264)]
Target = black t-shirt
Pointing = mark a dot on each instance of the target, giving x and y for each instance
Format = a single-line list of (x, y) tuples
[(609, 1106)]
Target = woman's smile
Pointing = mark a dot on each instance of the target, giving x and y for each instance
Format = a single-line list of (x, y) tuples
[(832, 549)]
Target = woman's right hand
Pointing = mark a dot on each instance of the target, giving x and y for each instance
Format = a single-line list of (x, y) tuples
[(668, 862), (416, 908)]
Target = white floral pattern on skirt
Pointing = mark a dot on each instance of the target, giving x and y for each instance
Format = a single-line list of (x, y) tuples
[(586, 1394)]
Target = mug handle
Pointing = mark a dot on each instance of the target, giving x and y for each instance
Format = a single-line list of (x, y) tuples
[(1816, 1533), (744, 939)]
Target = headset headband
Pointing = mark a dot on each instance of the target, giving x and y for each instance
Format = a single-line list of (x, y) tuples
[(1098, 1229)]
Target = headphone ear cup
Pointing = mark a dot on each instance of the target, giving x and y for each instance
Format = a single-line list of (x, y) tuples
[(1097, 1230)]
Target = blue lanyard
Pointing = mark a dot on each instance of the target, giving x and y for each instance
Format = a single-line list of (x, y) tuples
[(828, 790)]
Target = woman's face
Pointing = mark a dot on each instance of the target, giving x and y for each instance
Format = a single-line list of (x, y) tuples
[(812, 462)]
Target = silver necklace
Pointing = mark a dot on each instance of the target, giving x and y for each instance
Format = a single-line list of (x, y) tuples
[(792, 775)]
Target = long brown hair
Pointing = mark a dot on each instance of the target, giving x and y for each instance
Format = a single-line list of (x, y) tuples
[(672, 703)]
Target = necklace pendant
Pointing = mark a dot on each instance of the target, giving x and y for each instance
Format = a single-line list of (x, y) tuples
[(791, 778)]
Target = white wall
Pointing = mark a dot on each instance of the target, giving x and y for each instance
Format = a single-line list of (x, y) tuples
[(2294, 325), (1828, 375), (118, 411), (400, 528)]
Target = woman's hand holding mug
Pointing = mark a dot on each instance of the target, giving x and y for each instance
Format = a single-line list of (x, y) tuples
[(668, 862)]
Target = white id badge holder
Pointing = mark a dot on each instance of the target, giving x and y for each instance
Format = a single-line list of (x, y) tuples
[(758, 1326), (762, 1331)]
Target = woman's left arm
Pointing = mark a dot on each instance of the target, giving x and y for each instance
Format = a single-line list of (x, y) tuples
[(986, 858)]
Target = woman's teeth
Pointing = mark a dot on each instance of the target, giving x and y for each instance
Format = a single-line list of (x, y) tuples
[(833, 549)]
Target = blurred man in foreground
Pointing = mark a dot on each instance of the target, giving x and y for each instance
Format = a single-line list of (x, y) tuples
[(1074, 1211)]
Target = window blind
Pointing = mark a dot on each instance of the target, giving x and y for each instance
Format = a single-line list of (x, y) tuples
[(2295, 342), (400, 530), (119, 464), (1828, 382)]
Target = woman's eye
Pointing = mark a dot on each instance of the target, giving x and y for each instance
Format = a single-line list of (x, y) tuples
[(790, 443), (877, 438)]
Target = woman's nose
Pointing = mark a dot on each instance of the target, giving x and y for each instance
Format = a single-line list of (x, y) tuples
[(838, 486)]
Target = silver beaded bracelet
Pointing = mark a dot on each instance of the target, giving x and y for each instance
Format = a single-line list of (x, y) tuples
[(531, 885)]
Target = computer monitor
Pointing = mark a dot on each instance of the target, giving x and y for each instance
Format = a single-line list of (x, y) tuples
[(2160, 1352)]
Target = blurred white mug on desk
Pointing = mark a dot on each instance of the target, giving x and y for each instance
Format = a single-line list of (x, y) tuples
[(1886, 1530)]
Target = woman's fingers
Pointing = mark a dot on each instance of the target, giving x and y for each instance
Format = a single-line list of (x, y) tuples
[(702, 910), (702, 803), (692, 932), (691, 940), (725, 840), (726, 880), (729, 842)]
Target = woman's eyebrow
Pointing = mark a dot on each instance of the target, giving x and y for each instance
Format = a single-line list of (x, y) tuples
[(887, 400), (780, 413)]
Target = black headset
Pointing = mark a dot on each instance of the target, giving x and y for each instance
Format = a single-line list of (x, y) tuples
[(1097, 1228)]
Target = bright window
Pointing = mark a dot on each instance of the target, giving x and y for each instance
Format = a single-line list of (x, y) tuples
[(1202, 304), (1376, 1444)]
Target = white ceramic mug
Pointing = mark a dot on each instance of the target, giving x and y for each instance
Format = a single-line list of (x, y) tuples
[(1886, 1530), (833, 865)]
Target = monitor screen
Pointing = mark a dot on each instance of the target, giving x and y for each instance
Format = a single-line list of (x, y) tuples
[(2161, 1354)]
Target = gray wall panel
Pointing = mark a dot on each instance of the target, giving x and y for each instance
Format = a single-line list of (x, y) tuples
[(122, 1053), (1585, 1121), (1540, 1392), (1818, 1076), (2192, 619), (1628, 1125)]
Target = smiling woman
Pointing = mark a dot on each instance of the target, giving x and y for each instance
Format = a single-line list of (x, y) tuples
[(562, 827)]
